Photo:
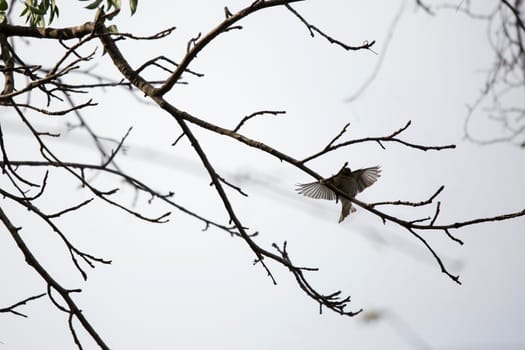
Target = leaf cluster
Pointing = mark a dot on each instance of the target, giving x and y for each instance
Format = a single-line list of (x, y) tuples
[(112, 4), (36, 11), (3, 8)]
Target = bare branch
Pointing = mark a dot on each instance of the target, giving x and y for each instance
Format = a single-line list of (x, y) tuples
[(331, 301), (255, 114), (313, 29), (5, 54), (75, 32), (52, 283), (55, 113), (380, 140), (516, 13), (70, 209), (55, 86), (413, 204), (154, 61), (162, 34), (177, 139), (119, 146), (229, 184), (198, 45), (12, 308), (129, 179), (381, 58), (337, 137), (425, 7)]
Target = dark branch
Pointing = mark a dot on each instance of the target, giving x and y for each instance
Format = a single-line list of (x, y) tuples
[(313, 29), (255, 114), (12, 308), (380, 140), (198, 45)]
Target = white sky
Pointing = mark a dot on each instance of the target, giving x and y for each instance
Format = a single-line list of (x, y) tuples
[(173, 286)]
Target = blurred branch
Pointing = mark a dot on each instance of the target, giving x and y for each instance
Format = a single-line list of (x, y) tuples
[(399, 325), (425, 7), (515, 10), (381, 58), (500, 101)]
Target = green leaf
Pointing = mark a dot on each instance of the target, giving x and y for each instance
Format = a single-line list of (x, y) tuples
[(37, 10), (53, 11), (3, 5), (52, 15), (113, 29), (114, 3), (94, 5), (133, 6)]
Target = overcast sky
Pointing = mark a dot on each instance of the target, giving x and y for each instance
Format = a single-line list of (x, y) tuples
[(173, 286)]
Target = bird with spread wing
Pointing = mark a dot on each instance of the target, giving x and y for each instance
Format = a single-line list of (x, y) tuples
[(347, 181)]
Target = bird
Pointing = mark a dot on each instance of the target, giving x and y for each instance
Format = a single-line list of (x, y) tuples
[(347, 181)]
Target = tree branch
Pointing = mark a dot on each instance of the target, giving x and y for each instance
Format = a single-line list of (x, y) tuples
[(199, 45), (73, 309)]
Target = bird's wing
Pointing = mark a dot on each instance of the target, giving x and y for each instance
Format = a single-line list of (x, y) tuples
[(316, 190), (366, 177)]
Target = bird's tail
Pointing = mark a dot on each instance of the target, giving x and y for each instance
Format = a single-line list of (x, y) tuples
[(347, 209)]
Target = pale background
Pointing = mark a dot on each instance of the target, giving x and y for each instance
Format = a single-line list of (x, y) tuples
[(172, 286)]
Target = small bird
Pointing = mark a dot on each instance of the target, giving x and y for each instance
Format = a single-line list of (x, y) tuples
[(347, 181)]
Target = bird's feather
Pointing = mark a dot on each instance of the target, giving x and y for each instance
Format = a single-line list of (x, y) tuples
[(346, 181), (366, 177), (316, 190)]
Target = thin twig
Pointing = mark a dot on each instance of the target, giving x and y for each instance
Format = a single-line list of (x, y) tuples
[(255, 114)]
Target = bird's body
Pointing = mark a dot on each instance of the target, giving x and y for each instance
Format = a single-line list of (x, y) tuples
[(347, 181)]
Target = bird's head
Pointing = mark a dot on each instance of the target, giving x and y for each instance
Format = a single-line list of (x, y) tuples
[(346, 171)]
